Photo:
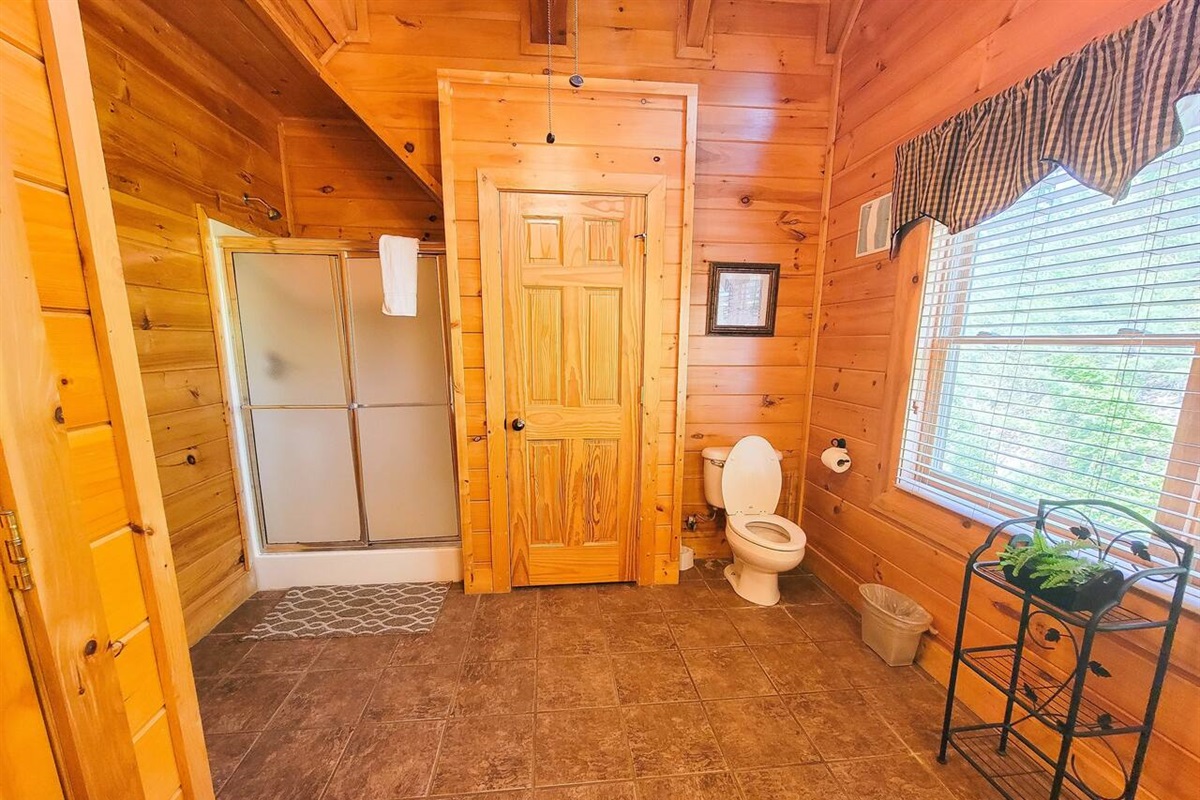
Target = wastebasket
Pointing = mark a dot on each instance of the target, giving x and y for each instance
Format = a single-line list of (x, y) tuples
[(892, 623)]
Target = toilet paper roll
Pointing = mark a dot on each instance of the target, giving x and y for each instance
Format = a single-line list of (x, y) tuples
[(836, 458)]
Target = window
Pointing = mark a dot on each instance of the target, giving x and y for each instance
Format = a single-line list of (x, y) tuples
[(1058, 351)]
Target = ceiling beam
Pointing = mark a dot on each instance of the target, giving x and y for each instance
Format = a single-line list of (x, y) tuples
[(698, 23), (557, 20), (838, 17)]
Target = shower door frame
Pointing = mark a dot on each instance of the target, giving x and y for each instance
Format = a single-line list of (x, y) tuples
[(342, 251)]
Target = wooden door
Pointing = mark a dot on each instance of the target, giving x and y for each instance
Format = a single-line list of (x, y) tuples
[(572, 268), (27, 767)]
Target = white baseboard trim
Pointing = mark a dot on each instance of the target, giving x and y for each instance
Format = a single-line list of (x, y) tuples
[(348, 568)]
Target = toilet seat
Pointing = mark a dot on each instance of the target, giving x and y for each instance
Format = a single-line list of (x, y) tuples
[(769, 531)]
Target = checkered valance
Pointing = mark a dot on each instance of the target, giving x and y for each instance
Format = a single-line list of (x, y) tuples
[(1101, 113)]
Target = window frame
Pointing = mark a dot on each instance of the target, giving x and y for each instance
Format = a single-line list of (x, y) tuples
[(960, 527)]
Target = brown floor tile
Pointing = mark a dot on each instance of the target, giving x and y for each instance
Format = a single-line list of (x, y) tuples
[(843, 725), (356, 652), (495, 687), (622, 790), (766, 626), (569, 682), (570, 636), (387, 761), (423, 691), (962, 779), (287, 765), (246, 616), (826, 622), (714, 786), (580, 747), (445, 644), (517, 794), (726, 597), (242, 703), (803, 591), (568, 601), (217, 654), (758, 732), (480, 754), (518, 602), (684, 596), (692, 574), (656, 676), (865, 670), (915, 714), (502, 637), (709, 628), (712, 569), (624, 598), (671, 739), (457, 608), (326, 699), (800, 782), (280, 655), (630, 633), (891, 778), (798, 667), (725, 672), (225, 752)]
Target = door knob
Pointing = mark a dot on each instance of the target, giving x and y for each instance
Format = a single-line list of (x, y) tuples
[(518, 424)]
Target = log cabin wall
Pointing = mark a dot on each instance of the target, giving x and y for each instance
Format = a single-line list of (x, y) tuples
[(906, 68), (764, 106), (343, 183), (181, 129)]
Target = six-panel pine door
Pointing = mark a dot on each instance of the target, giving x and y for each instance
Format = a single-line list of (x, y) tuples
[(573, 275)]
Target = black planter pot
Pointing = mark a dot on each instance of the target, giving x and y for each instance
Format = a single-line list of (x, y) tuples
[(1100, 590)]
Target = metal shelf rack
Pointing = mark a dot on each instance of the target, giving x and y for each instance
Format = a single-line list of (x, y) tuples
[(1010, 760)]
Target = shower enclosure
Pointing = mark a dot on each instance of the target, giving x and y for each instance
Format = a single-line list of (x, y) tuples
[(346, 411)]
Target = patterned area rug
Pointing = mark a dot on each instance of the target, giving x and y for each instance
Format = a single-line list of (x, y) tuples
[(313, 612)]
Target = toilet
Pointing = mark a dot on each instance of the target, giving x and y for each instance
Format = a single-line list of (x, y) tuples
[(746, 480)]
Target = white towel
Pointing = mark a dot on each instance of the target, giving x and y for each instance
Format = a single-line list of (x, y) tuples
[(398, 260)]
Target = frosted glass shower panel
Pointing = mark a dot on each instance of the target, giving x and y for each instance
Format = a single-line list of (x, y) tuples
[(397, 359), (306, 475), (408, 478), (291, 334)]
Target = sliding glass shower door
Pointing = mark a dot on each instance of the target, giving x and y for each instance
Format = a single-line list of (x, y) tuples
[(347, 410)]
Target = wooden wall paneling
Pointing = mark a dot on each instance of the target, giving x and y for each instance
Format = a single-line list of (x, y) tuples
[(904, 69), (66, 62), (762, 125)]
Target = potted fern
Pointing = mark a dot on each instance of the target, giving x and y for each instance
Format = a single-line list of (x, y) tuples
[(1057, 573)]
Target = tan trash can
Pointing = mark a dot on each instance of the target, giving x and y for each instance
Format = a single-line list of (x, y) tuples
[(892, 623)]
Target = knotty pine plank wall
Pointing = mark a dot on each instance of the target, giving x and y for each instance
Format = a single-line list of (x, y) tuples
[(31, 134), (763, 121), (907, 67), (180, 129)]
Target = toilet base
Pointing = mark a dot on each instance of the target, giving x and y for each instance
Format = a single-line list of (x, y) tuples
[(755, 585)]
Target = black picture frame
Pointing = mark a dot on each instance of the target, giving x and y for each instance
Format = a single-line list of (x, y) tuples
[(716, 271)]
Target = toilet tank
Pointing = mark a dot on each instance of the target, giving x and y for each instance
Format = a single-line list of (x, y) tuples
[(714, 468)]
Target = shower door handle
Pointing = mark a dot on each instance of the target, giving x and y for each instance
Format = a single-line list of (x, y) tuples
[(518, 424)]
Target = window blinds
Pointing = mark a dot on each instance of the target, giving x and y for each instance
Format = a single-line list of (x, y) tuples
[(1058, 351)]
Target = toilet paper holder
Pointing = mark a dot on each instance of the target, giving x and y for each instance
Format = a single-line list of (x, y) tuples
[(836, 457)]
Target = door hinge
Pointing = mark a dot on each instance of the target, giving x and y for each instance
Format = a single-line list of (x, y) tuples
[(14, 547)]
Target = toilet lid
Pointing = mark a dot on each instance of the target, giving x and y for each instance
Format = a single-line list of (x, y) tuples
[(751, 480)]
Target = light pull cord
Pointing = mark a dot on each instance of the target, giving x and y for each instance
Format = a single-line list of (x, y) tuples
[(576, 79), (549, 73)]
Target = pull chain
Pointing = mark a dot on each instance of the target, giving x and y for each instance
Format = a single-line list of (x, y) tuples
[(576, 79), (549, 73)]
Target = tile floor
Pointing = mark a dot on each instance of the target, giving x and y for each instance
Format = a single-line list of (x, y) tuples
[(579, 693)]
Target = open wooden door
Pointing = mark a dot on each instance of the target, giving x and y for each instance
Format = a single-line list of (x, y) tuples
[(86, 554)]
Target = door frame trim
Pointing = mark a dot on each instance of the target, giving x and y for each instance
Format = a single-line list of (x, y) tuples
[(491, 184)]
